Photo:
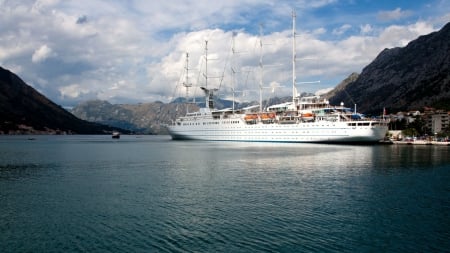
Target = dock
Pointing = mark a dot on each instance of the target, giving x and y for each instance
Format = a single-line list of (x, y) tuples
[(422, 142)]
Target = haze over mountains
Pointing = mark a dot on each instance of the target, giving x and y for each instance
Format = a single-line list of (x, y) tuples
[(407, 78)]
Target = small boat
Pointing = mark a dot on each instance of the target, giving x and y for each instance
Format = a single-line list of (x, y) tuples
[(116, 135)]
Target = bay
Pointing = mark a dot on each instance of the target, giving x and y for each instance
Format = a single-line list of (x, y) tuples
[(152, 194)]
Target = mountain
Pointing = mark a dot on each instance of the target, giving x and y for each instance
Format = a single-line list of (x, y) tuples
[(23, 110), (407, 78), (144, 118)]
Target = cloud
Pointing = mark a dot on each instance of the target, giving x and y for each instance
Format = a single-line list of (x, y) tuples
[(41, 54), (341, 30), (41, 5), (82, 19), (73, 91), (319, 31), (134, 50), (399, 36), (317, 3), (366, 29), (396, 14), (323, 91), (316, 59)]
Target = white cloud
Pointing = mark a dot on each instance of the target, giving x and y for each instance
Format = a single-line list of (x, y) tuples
[(395, 35), (366, 29), (134, 50), (317, 3), (396, 14), (341, 30), (421, 27), (323, 91), (43, 4), (41, 54), (319, 31), (73, 91)]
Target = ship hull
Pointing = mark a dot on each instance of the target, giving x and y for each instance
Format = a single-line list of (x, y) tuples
[(317, 132)]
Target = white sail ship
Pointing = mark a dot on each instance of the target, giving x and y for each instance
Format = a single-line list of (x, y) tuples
[(307, 119)]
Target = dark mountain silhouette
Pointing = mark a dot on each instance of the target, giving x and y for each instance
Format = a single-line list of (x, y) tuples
[(24, 110), (407, 78)]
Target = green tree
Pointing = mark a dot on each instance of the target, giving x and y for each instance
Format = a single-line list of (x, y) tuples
[(410, 132), (444, 133), (398, 124), (419, 125)]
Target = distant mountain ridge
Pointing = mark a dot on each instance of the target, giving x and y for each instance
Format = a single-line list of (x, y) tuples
[(407, 78), (23, 110), (143, 118)]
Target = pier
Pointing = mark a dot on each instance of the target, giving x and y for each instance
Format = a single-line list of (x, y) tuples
[(422, 142)]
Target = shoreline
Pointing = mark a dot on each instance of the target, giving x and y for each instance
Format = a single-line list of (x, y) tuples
[(420, 142)]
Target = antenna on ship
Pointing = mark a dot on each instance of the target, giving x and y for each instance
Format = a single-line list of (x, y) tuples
[(186, 83)]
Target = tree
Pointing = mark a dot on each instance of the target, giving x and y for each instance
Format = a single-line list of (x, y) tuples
[(419, 125), (444, 132), (398, 124), (410, 132)]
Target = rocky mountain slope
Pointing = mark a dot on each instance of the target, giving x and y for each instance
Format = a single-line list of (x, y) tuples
[(407, 78), (145, 118), (23, 110)]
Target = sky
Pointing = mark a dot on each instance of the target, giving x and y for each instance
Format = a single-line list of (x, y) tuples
[(135, 51)]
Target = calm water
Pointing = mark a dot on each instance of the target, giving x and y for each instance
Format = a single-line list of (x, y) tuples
[(151, 194)]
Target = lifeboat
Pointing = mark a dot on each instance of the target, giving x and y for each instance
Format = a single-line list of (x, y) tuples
[(307, 116), (249, 117), (267, 117)]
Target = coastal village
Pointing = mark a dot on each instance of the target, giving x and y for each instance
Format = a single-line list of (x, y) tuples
[(431, 126)]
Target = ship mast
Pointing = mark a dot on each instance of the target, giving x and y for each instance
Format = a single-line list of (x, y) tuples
[(206, 64), (186, 83), (233, 71), (260, 67), (294, 90), (209, 100)]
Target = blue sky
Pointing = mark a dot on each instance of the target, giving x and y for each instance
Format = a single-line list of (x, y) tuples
[(133, 51)]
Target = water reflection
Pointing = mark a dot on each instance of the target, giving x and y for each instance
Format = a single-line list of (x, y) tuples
[(154, 194)]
